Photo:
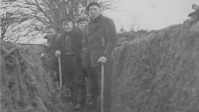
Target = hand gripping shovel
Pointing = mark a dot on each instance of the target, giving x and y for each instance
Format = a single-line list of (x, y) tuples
[(102, 88)]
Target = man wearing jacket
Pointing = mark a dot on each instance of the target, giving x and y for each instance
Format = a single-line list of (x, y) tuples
[(101, 40), (70, 47), (50, 61)]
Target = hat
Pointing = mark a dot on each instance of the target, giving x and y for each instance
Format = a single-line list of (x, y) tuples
[(82, 19), (50, 26), (68, 19), (92, 4)]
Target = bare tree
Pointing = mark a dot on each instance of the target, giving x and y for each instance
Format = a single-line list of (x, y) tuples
[(11, 19), (44, 12)]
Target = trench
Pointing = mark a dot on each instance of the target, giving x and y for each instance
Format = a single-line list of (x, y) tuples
[(154, 72)]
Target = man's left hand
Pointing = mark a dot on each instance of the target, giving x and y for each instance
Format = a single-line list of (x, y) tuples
[(102, 59)]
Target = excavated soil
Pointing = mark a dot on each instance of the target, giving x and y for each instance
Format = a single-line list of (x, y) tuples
[(25, 85), (158, 72)]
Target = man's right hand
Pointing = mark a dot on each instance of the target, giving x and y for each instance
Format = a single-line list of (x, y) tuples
[(57, 53)]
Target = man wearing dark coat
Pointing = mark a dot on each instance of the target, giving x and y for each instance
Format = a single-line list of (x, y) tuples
[(70, 47), (101, 39), (50, 61)]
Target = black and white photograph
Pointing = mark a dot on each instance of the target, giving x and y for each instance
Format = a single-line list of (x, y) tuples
[(99, 56)]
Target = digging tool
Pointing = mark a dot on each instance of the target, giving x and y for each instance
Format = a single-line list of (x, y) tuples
[(102, 81), (102, 87), (60, 72)]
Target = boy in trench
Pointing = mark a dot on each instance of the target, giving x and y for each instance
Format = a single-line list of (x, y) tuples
[(82, 22), (70, 47), (100, 39)]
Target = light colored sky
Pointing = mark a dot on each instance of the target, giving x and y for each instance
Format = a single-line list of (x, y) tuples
[(150, 14)]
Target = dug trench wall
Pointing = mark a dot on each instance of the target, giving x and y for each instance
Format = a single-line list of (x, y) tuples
[(158, 72), (25, 85)]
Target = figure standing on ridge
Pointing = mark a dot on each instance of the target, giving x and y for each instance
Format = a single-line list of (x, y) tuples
[(194, 15)]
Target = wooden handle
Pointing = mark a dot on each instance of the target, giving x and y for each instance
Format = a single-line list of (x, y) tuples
[(60, 72), (102, 87)]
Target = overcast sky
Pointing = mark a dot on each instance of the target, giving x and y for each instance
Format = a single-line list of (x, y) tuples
[(150, 14)]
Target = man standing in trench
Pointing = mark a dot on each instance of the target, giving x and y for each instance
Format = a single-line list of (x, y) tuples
[(70, 47), (101, 40)]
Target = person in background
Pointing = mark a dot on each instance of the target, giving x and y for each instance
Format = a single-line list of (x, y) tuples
[(82, 22), (50, 61), (101, 39), (70, 48)]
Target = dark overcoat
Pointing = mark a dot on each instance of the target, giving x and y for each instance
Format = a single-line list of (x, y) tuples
[(101, 38), (72, 75), (75, 40), (71, 62), (50, 59)]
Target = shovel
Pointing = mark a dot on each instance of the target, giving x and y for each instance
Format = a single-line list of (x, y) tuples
[(102, 88), (60, 72)]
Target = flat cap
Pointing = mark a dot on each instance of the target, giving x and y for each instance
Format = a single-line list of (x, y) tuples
[(82, 19), (91, 4), (66, 19)]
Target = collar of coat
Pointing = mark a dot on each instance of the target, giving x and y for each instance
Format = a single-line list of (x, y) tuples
[(70, 33), (99, 18)]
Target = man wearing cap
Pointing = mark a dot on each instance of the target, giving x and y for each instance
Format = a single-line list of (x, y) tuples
[(70, 47), (101, 39)]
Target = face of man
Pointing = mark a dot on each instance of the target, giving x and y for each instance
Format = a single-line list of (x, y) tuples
[(82, 25), (94, 11), (67, 26), (50, 33)]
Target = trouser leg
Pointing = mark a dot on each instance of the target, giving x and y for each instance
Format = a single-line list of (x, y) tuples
[(94, 88), (79, 94)]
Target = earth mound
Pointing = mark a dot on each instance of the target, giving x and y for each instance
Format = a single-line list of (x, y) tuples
[(25, 85), (158, 72)]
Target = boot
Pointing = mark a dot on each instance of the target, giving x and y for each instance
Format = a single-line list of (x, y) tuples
[(88, 100)]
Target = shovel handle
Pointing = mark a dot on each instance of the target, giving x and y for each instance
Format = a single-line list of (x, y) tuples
[(102, 87), (60, 72)]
